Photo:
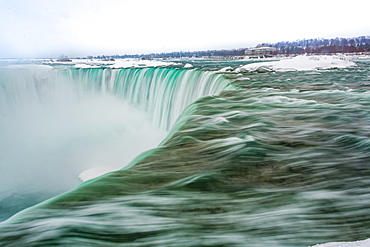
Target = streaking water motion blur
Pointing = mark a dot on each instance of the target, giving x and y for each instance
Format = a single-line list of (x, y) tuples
[(57, 122), (267, 159)]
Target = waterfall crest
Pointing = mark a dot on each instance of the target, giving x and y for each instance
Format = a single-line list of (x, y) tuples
[(161, 92)]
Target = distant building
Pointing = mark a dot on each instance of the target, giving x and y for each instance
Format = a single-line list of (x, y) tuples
[(63, 58), (260, 51)]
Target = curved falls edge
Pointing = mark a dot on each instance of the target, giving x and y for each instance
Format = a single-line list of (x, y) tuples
[(268, 164)]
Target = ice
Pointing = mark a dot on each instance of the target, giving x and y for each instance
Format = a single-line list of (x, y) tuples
[(116, 64), (363, 243), (125, 63), (94, 173), (226, 69), (299, 63), (188, 65), (86, 66)]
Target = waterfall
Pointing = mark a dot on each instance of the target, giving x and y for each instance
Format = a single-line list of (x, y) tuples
[(161, 92), (58, 122)]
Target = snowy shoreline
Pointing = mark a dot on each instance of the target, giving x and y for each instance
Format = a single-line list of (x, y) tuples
[(299, 63), (362, 243), (281, 64), (116, 64), (269, 64)]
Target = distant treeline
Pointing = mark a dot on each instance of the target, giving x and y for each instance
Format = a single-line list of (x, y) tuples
[(323, 46), (310, 46), (178, 54)]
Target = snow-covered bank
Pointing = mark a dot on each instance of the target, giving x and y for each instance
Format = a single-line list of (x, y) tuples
[(124, 63), (363, 243), (116, 64), (299, 63)]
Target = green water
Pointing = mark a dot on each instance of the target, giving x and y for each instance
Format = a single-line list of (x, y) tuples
[(56, 122), (276, 159), (161, 92)]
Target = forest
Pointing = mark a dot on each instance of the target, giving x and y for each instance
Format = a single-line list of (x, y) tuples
[(322, 46)]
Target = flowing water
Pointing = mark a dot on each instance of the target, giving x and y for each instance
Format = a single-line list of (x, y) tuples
[(271, 159)]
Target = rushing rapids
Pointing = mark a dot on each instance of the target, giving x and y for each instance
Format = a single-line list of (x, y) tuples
[(274, 159)]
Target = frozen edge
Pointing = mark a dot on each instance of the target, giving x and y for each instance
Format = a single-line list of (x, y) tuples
[(362, 243), (299, 63)]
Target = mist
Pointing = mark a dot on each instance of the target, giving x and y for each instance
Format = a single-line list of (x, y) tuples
[(52, 130)]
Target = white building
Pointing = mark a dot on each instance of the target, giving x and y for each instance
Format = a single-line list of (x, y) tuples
[(260, 51)]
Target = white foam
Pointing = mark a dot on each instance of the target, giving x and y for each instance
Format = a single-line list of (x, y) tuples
[(299, 63)]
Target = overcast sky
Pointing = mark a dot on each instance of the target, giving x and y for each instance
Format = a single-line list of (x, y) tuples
[(49, 28)]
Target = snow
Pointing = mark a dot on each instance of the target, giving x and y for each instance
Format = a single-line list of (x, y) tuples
[(129, 63), (360, 58), (299, 63), (188, 65), (363, 243), (116, 64), (94, 173), (226, 69), (86, 66)]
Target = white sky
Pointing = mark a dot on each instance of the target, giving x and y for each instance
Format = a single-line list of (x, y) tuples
[(49, 28)]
